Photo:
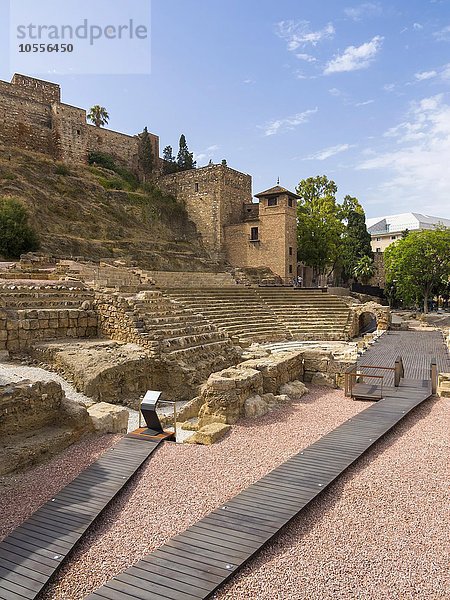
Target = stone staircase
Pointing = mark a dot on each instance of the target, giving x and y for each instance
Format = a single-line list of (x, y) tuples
[(308, 314), (192, 279), (238, 312), (184, 336)]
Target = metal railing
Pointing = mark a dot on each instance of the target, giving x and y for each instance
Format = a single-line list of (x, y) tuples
[(354, 375)]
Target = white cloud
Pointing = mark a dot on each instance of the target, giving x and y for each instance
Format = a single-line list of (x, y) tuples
[(367, 9), (389, 87), (417, 26), (417, 168), (298, 34), (206, 154), (443, 35), (425, 75), (445, 73), (365, 103), (335, 92), (287, 123), (355, 57), (306, 57), (328, 152)]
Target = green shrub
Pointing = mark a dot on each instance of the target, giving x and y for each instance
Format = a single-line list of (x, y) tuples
[(102, 159), (8, 176), (62, 169), (16, 236), (115, 183)]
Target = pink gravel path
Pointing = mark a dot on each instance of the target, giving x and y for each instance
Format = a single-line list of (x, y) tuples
[(377, 533)]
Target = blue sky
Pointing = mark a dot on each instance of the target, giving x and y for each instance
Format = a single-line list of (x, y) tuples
[(359, 91)]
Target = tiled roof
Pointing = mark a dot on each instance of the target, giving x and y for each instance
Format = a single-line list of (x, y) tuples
[(277, 189)]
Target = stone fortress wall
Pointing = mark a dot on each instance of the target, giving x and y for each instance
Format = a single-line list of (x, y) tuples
[(34, 118)]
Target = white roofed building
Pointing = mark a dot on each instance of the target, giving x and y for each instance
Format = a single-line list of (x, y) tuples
[(385, 230)]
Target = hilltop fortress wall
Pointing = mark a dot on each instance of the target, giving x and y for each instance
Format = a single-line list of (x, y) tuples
[(33, 117)]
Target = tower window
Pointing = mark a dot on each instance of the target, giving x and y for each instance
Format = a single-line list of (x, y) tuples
[(254, 234), (290, 251), (290, 202), (272, 201), (196, 187), (290, 268), (78, 131)]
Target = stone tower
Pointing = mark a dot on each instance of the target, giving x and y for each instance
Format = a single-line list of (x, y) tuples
[(278, 229), (267, 235)]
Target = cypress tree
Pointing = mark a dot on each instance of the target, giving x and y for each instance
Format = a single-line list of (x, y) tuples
[(185, 159), (169, 164), (145, 154)]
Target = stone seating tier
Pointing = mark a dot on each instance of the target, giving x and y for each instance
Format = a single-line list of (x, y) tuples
[(264, 314), (185, 279)]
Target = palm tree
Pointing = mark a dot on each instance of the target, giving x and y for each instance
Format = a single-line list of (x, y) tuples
[(364, 269), (98, 115)]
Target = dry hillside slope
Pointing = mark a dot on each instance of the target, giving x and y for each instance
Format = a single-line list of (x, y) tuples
[(97, 213)]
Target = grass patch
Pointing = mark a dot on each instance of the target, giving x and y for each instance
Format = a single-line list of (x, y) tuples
[(8, 176), (62, 169)]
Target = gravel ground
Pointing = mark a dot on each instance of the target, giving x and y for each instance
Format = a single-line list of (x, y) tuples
[(378, 533)]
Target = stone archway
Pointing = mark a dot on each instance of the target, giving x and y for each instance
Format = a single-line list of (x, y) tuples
[(364, 314), (367, 322)]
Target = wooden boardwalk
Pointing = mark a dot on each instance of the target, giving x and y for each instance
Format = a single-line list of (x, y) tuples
[(33, 552), (195, 563), (417, 349)]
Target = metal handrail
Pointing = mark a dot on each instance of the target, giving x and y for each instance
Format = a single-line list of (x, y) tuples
[(362, 376)]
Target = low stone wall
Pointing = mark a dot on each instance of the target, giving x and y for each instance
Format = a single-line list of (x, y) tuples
[(277, 369), (119, 320), (225, 392), (37, 421), (19, 332), (104, 370)]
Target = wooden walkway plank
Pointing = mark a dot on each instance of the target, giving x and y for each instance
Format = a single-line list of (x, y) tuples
[(209, 552), (34, 551)]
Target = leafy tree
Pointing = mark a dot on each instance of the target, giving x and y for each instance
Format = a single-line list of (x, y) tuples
[(356, 240), (351, 205), (320, 227), (418, 265), (169, 164), (364, 269), (145, 154), (185, 159), (98, 115), (16, 236)]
